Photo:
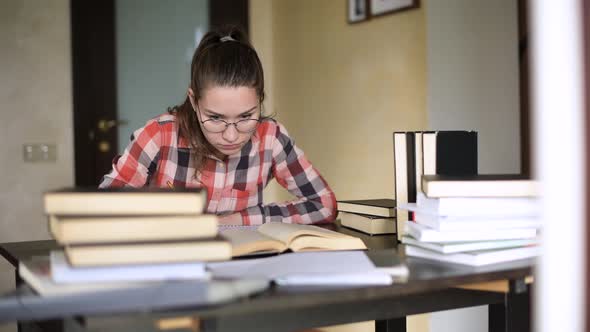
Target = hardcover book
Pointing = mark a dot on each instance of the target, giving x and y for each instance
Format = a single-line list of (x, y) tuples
[(369, 224), (479, 206), (425, 234), (107, 229), (36, 272), (432, 152), (125, 201), (278, 237), (452, 223), (214, 249), (404, 173), (483, 185), (418, 159), (63, 273), (455, 247), (450, 152), (476, 258), (383, 207)]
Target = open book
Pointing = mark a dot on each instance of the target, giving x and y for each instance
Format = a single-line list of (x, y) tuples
[(279, 237), (375, 267)]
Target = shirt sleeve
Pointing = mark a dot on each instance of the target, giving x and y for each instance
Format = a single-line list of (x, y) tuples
[(315, 202), (134, 167)]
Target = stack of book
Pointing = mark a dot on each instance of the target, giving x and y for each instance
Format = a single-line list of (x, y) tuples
[(126, 235), (477, 220), (371, 216), (417, 153)]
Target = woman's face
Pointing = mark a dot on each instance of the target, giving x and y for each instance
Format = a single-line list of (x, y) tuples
[(230, 104)]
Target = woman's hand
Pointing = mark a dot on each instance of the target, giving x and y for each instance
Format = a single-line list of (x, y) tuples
[(231, 219)]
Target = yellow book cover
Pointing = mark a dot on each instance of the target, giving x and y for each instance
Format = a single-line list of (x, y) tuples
[(107, 229), (214, 249)]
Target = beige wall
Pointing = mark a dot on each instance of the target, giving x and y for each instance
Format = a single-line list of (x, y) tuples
[(473, 76), (342, 90), (36, 103)]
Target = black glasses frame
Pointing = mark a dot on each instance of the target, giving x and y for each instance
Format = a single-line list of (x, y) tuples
[(227, 124)]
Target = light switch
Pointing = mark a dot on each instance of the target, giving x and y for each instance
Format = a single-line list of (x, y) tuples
[(40, 152)]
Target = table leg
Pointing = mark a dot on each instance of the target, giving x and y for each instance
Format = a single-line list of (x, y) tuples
[(514, 314), (54, 325), (391, 325)]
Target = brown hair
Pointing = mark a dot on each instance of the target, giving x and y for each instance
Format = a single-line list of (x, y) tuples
[(224, 58)]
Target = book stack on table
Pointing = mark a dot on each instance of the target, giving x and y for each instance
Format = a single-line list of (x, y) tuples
[(474, 220), (125, 235), (418, 153), (371, 216)]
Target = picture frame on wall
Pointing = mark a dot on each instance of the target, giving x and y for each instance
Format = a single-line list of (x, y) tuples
[(358, 10), (383, 7)]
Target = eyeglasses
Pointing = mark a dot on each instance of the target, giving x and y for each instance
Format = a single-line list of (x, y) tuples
[(217, 125)]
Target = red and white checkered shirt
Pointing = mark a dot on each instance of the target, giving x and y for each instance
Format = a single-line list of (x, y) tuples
[(156, 155)]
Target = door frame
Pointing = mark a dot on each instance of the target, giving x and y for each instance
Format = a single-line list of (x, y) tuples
[(94, 88)]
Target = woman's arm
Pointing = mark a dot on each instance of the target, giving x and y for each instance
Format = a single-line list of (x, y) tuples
[(315, 202), (133, 167)]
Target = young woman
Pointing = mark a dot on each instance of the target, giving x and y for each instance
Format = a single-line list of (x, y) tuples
[(218, 139)]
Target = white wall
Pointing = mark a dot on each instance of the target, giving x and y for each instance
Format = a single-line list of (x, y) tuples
[(155, 44), (36, 107), (473, 76), (473, 84)]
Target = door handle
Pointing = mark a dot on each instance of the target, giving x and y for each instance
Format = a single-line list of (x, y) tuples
[(105, 125)]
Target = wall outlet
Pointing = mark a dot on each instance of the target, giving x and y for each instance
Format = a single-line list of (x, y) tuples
[(40, 152)]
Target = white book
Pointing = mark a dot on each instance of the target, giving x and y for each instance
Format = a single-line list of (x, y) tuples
[(456, 223), (446, 223), (341, 279), (426, 234), (476, 258), (479, 206), (63, 272), (455, 247), (480, 185), (36, 273), (313, 268)]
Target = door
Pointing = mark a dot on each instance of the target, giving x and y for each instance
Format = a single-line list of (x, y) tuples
[(97, 80), (94, 88)]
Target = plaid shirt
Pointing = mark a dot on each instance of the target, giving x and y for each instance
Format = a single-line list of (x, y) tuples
[(157, 155)]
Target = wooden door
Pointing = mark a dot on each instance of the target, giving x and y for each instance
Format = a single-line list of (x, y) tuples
[(234, 12), (94, 88)]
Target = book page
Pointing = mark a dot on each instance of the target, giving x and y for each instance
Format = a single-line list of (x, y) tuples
[(329, 267), (247, 241), (287, 232), (308, 237), (312, 243)]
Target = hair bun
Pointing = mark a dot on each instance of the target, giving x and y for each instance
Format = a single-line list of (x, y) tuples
[(232, 33), (226, 38)]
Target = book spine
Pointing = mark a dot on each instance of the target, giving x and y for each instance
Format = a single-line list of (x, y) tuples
[(411, 169), (401, 178), (419, 160)]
